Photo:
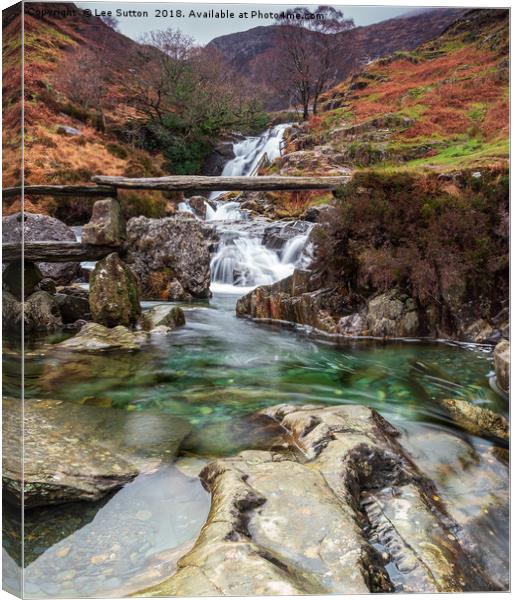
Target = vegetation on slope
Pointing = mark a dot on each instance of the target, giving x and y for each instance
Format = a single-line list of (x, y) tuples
[(444, 105), (97, 102), (442, 238)]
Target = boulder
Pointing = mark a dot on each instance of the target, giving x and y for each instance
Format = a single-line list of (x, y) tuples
[(39, 312), (199, 205), (294, 299), (74, 452), (393, 314), (47, 285), (308, 518), (214, 164), (107, 224), (12, 278), (67, 130), (276, 236), (94, 337), (73, 308), (502, 364), (114, 293), (163, 316), (477, 420), (315, 214), (39, 228), (164, 252)]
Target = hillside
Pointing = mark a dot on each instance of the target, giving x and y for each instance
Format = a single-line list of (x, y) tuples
[(442, 106), (251, 52), (67, 139)]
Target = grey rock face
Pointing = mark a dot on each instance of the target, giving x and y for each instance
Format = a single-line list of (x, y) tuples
[(164, 252), (306, 518), (38, 228), (393, 314), (223, 152), (74, 452), (278, 234), (107, 224)]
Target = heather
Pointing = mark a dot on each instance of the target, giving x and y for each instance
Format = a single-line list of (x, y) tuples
[(441, 238)]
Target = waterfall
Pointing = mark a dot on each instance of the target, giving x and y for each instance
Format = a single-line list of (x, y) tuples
[(242, 262), (250, 151)]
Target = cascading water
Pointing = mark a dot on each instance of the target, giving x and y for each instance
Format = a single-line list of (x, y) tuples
[(242, 261)]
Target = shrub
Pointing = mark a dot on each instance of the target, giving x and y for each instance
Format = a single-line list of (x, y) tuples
[(423, 233)]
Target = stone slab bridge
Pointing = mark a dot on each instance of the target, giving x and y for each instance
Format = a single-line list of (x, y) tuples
[(107, 187)]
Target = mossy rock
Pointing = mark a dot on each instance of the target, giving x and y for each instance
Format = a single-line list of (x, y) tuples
[(114, 293)]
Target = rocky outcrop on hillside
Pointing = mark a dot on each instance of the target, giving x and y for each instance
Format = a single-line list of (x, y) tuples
[(347, 476), (170, 257)]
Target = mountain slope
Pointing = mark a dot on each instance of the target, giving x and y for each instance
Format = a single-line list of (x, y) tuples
[(441, 106), (251, 52), (65, 140)]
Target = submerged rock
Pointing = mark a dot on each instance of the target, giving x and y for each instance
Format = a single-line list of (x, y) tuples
[(502, 364), (167, 252), (308, 519), (74, 452), (476, 419), (114, 294), (94, 337), (39, 228), (107, 224), (163, 316)]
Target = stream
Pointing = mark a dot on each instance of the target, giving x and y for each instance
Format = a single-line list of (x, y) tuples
[(215, 372)]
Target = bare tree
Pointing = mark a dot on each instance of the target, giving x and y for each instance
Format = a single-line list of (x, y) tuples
[(82, 77), (308, 49), (162, 83)]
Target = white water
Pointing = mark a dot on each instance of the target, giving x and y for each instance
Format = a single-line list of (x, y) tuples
[(241, 261)]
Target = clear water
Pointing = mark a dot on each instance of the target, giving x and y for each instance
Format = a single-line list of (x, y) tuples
[(216, 371)]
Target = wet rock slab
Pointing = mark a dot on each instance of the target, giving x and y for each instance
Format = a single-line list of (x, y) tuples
[(94, 337), (75, 452), (342, 510)]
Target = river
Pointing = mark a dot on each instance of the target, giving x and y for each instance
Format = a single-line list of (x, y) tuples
[(215, 372)]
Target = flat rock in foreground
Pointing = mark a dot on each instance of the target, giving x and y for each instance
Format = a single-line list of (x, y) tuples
[(310, 519), (74, 452)]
